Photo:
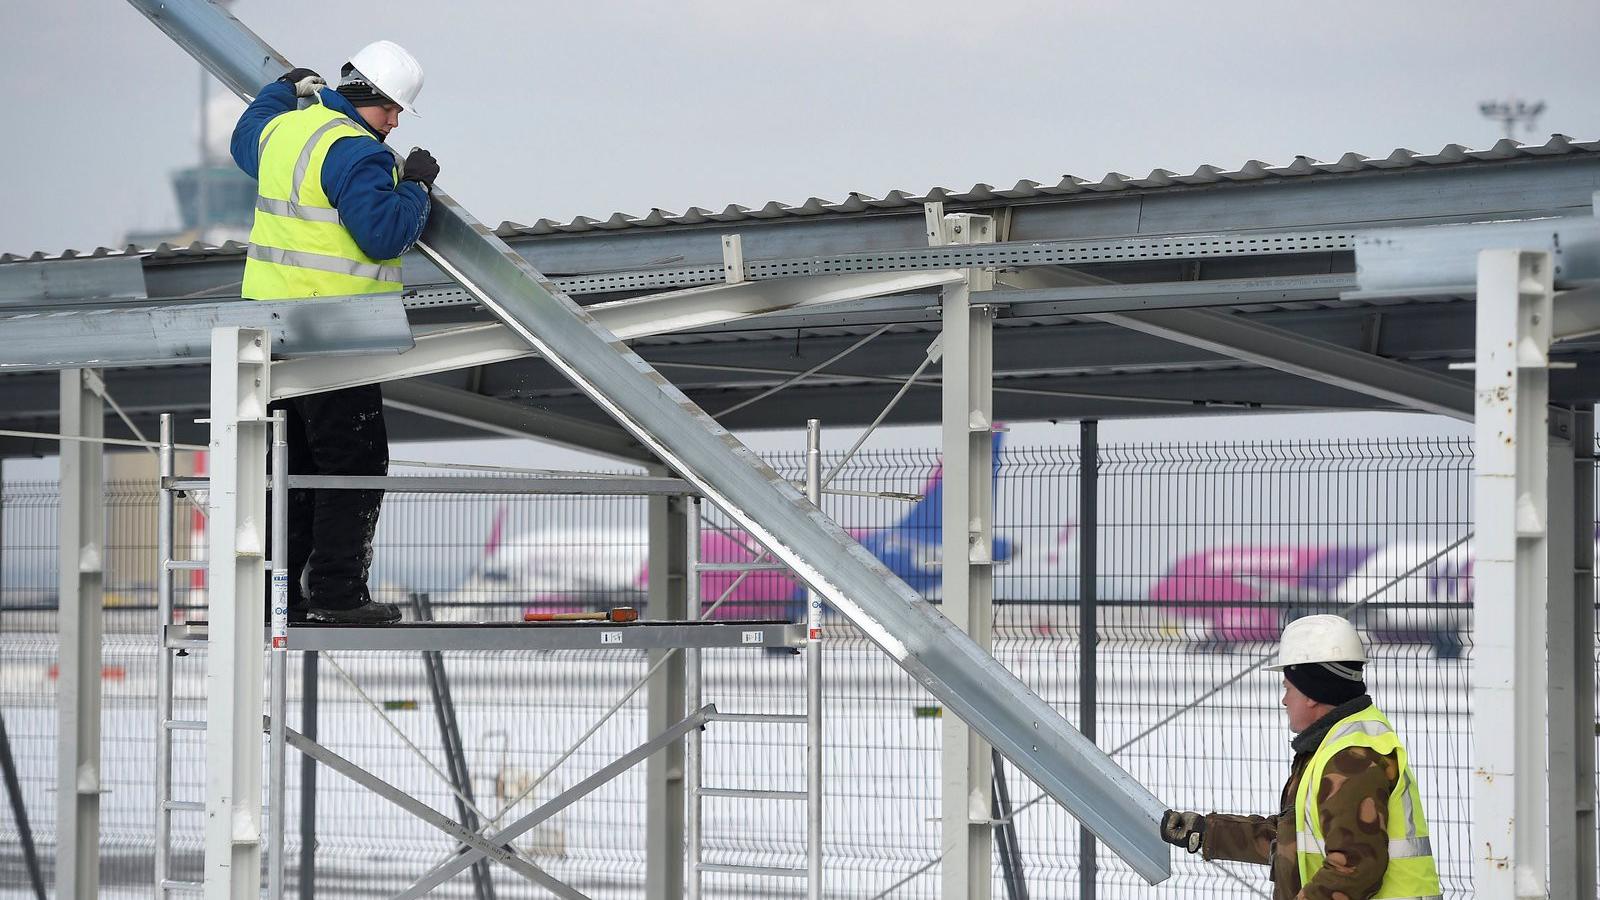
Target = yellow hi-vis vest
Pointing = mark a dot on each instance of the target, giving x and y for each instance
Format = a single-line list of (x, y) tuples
[(298, 246), (1411, 872)]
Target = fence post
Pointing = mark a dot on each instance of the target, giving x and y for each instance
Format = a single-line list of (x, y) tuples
[(1088, 619), (308, 777)]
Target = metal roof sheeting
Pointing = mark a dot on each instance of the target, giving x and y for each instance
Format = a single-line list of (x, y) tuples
[(1068, 185)]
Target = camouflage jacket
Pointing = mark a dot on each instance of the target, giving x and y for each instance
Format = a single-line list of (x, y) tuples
[(1353, 800)]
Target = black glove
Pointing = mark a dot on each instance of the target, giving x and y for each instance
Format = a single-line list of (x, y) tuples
[(421, 167), (304, 81), (1184, 829)]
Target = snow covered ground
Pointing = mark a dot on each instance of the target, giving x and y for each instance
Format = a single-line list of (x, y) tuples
[(518, 712)]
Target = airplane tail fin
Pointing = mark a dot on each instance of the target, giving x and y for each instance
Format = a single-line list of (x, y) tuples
[(491, 546)]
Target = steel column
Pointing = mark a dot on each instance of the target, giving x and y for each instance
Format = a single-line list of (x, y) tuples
[(236, 525), (1571, 663), (1089, 621), (969, 681), (967, 804), (81, 623), (693, 745), (1511, 573), (664, 775), (814, 808), (278, 701)]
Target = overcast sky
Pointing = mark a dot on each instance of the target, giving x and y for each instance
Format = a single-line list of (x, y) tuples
[(556, 110), (545, 109)]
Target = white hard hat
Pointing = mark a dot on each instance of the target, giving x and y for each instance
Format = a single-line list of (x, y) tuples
[(391, 71), (1319, 639)]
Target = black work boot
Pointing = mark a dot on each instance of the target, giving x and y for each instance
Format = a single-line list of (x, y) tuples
[(358, 610)]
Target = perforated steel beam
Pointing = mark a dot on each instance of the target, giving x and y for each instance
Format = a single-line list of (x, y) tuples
[(969, 682)]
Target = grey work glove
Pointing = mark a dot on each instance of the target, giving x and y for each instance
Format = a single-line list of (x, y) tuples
[(305, 82), (1184, 829)]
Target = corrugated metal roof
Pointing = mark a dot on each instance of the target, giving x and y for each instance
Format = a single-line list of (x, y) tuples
[(1068, 185)]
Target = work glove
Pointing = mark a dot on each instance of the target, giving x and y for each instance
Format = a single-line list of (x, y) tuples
[(1184, 829), (421, 167), (305, 82)]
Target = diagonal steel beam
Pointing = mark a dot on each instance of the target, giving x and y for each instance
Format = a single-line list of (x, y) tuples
[(438, 401), (1275, 348), (492, 850), (970, 683), (1237, 337)]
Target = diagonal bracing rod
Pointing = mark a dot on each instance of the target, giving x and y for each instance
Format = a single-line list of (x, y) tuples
[(442, 872), (1105, 798), (491, 850)]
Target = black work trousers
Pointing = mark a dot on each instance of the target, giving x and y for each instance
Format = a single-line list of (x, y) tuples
[(331, 531)]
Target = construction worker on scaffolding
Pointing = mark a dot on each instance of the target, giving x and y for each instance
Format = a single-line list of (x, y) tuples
[(334, 213), (1350, 824)]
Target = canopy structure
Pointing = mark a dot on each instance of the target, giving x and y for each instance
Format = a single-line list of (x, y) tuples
[(1347, 285)]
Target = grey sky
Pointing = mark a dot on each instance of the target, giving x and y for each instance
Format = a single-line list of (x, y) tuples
[(546, 109), (556, 110)]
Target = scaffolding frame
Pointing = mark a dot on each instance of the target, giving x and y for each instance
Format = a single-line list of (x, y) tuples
[(187, 638)]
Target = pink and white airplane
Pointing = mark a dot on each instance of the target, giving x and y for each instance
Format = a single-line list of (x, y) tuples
[(581, 569)]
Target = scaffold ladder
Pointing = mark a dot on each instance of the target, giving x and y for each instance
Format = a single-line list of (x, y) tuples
[(694, 742), (810, 799), (167, 724)]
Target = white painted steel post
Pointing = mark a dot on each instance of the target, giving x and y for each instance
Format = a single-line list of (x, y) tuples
[(81, 624), (1511, 573), (967, 805), (693, 747), (279, 643), (665, 695), (237, 523), (814, 732), (164, 553)]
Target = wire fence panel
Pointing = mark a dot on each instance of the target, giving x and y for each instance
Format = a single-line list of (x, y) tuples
[(1204, 552)]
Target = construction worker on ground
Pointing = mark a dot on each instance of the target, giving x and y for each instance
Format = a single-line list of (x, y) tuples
[(1350, 824), (334, 213)]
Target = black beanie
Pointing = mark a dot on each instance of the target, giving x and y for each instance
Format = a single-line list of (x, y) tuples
[(357, 90), (1330, 683)]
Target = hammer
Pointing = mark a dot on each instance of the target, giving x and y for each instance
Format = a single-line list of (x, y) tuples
[(616, 614)]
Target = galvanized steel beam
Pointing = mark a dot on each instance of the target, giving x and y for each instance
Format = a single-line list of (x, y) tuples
[(1264, 345), (496, 416), (969, 681), (161, 335), (480, 345)]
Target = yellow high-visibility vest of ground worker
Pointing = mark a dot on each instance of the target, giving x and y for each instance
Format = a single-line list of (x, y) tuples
[(298, 246), (1411, 872)]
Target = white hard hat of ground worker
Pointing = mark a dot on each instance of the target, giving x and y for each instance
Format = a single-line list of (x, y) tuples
[(391, 71), (1319, 639)]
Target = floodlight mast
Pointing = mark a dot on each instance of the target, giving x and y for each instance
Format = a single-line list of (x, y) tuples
[(1069, 767)]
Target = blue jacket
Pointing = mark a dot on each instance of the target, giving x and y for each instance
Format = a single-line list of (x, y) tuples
[(384, 218)]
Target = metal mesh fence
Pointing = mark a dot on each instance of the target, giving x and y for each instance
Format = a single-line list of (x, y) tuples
[(1204, 550)]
